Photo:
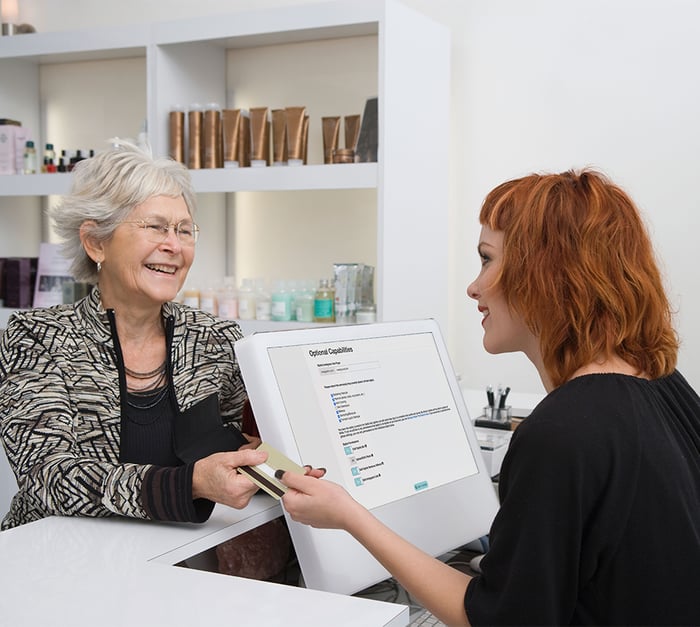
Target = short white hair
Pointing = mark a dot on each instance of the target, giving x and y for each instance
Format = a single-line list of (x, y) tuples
[(105, 189)]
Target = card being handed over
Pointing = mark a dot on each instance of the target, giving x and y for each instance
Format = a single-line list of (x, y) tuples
[(263, 475)]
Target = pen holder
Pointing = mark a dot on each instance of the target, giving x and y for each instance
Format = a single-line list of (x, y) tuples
[(495, 418)]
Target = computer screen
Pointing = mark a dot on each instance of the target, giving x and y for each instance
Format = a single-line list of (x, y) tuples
[(380, 408)]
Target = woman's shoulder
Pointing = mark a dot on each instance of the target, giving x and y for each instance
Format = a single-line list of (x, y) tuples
[(33, 331), (31, 320), (595, 403), (594, 390), (192, 320)]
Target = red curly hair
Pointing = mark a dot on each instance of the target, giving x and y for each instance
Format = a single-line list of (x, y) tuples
[(579, 268)]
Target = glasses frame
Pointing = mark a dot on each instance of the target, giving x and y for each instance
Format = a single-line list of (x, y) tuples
[(159, 236)]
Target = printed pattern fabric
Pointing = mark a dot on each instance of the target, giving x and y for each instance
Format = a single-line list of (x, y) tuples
[(60, 416)]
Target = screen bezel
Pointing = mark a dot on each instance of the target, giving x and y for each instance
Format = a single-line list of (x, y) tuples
[(437, 520)]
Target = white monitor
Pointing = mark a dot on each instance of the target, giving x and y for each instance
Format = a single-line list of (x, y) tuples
[(379, 406)]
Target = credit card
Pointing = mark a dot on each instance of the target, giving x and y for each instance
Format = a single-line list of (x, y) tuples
[(263, 475)]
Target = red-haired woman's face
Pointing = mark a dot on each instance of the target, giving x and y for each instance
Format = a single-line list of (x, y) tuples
[(504, 329)]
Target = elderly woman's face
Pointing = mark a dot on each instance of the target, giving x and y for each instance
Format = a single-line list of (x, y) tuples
[(142, 266)]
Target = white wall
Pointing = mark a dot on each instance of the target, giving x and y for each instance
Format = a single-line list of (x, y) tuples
[(538, 85)]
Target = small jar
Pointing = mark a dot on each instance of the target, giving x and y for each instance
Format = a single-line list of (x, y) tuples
[(366, 313), (343, 155)]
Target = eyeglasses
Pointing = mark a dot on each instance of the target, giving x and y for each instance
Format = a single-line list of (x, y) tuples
[(156, 231)]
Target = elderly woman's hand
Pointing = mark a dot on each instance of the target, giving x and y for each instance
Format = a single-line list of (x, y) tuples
[(215, 477), (253, 442)]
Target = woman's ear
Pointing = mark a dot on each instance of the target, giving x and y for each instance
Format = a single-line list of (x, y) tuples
[(93, 247)]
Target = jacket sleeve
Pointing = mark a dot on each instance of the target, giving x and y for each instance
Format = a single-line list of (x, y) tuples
[(233, 395)]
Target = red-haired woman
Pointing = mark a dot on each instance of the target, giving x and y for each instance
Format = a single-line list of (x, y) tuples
[(600, 488)]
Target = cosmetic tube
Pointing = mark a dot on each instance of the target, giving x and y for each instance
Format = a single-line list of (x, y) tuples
[(352, 130), (305, 140), (295, 133), (230, 129), (279, 137), (259, 137), (331, 133), (194, 131), (176, 133), (244, 140), (211, 137), (340, 282)]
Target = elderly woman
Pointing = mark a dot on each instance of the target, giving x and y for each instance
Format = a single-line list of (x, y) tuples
[(126, 402), (600, 488)]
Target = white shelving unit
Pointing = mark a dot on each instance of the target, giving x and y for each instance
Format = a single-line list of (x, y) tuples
[(187, 58)]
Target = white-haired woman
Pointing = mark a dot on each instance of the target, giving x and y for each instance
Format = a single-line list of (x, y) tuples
[(126, 402)]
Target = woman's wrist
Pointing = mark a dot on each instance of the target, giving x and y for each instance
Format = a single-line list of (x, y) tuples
[(197, 491)]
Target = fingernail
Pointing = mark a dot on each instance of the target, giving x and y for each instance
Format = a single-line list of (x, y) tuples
[(322, 468), (278, 473), (308, 467)]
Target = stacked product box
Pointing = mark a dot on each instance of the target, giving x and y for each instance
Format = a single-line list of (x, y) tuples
[(13, 138), (17, 284)]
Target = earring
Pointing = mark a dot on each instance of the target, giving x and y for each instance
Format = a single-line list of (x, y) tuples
[(99, 267)]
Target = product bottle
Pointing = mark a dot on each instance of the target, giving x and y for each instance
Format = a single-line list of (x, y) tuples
[(79, 156), (324, 302), (246, 300), (190, 297), (211, 137), (63, 162), (29, 158), (304, 302), (207, 300), (293, 291), (281, 302), (49, 159), (176, 133), (194, 140), (228, 299), (263, 302)]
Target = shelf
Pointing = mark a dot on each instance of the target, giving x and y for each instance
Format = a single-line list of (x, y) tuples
[(331, 56), (247, 326), (91, 45), (278, 25), (34, 184), (309, 177), (237, 30), (285, 178)]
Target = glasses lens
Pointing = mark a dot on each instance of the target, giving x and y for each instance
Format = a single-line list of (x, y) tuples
[(155, 231), (187, 232)]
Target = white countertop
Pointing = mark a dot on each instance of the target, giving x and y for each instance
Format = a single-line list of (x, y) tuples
[(119, 571)]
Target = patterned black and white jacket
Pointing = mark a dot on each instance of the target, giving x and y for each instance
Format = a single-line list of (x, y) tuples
[(61, 390)]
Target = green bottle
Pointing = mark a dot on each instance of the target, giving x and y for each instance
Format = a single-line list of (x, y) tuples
[(324, 302)]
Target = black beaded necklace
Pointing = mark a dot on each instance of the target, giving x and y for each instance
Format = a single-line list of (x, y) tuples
[(145, 375)]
